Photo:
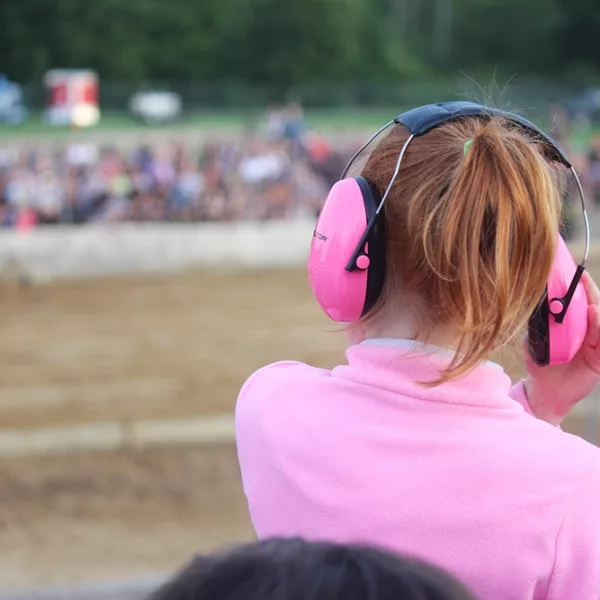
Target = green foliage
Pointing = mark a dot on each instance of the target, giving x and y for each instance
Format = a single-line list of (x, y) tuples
[(288, 42)]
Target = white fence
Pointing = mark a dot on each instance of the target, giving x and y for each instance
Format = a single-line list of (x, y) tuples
[(87, 251), (97, 250), (117, 436), (134, 589)]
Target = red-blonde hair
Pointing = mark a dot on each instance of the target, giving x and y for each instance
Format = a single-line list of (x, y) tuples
[(471, 236)]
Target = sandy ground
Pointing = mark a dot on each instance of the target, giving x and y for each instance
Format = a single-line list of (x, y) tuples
[(149, 347), (119, 349), (114, 516), (137, 347)]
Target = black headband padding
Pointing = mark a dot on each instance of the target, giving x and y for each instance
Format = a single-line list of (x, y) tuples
[(425, 118)]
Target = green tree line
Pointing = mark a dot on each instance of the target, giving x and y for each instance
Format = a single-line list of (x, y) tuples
[(289, 42)]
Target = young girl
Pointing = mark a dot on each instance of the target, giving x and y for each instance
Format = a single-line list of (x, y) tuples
[(418, 443)]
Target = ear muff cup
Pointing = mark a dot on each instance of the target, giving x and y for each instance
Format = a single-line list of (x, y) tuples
[(552, 342), (344, 295)]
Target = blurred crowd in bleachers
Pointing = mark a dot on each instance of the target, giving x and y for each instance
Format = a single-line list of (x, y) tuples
[(280, 171)]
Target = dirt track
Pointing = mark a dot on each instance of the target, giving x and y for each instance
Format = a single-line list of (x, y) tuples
[(149, 347), (96, 517), (119, 349)]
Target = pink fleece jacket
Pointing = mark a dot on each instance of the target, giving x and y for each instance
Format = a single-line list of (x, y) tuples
[(461, 475)]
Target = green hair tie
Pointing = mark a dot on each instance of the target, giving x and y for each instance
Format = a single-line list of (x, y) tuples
[(467, 146)]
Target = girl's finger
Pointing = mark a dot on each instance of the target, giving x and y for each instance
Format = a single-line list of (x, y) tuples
[(591, 289), (592, 338)]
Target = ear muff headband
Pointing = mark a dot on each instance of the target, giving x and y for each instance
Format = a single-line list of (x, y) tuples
[(423, 119)]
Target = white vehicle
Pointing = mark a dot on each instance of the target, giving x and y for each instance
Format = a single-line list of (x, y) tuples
[(155, 107)]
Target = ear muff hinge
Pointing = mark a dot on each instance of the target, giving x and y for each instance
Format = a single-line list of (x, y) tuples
[(558, 306), (360, 251)]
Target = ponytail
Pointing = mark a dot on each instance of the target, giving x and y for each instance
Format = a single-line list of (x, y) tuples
[(472, 231)]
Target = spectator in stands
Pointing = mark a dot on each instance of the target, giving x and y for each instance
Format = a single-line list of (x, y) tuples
[(560, 126), (591, 177), (294, 128), (185, 194), (297, 570), (275, 123), (419, 442)]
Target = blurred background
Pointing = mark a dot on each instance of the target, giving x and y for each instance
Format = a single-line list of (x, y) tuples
[(161, 167)]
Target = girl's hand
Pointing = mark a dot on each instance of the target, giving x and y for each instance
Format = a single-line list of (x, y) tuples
[(552, 391)]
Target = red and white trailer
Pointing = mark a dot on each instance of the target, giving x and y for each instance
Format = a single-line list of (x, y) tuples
[(72, 98)]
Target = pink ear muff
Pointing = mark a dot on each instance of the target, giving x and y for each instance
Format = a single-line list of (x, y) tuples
[(340, 293), (565, 338)]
